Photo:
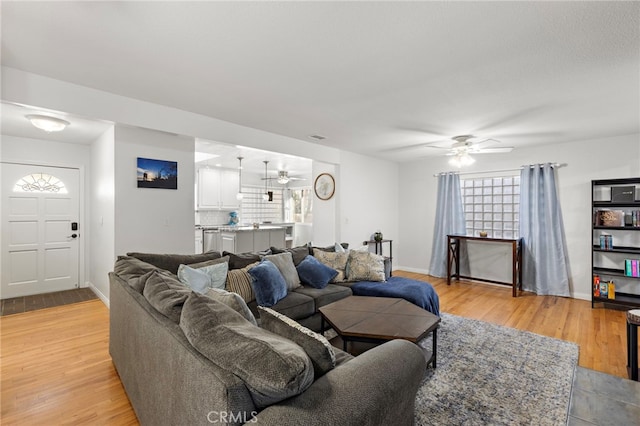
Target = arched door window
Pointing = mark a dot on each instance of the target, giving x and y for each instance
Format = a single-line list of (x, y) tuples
[(40, 182)]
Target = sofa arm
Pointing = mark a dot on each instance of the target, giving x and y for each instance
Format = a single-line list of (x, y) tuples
[(377, 387)]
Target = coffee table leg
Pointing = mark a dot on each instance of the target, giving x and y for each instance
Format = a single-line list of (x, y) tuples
[(435, 345)]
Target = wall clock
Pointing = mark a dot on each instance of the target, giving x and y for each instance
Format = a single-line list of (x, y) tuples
[(324, 186)]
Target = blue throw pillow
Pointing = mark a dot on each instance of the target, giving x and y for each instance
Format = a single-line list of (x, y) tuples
[(315, 273), (268, 283)]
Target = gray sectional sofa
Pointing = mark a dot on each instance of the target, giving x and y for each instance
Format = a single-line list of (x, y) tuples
[(169, 381)]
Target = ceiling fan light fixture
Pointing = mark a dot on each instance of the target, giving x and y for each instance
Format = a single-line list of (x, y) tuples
[(283, 177), (47, 123), (462, 159)]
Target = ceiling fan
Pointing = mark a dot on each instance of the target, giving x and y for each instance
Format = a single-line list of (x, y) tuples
[(283, 177), (460, 147)]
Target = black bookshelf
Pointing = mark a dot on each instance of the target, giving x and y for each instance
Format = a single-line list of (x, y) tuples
[(608, 263)]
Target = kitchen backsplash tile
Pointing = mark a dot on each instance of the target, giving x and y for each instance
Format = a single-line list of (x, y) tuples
[(212, 217)]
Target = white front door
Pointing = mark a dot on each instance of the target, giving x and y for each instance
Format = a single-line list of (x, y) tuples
[(39, 228)]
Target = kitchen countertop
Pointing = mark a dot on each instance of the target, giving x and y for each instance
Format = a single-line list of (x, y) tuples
[(248, 228)]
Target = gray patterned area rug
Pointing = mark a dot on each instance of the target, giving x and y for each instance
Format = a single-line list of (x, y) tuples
[(493, 375)]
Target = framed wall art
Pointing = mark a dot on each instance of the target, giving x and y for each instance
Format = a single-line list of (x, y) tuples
[(324, 186), (157, 174)]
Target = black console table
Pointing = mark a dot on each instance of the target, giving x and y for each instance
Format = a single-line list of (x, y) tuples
[(378, 250), (453, 256)]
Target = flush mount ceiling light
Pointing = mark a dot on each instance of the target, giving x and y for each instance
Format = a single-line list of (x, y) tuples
[(47, 123), (283, 177)]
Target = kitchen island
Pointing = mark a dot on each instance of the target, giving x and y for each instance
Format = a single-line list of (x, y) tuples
[(242, 239)]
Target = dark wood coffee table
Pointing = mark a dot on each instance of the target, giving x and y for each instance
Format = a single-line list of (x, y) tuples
[(379, 319)]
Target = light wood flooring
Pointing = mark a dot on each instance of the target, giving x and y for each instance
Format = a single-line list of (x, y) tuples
[(56, 369)]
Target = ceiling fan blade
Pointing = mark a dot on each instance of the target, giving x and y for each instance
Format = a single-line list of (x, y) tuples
[(501, 150)]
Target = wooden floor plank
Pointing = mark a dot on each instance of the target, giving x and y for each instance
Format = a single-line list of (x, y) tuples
[(56, 369)]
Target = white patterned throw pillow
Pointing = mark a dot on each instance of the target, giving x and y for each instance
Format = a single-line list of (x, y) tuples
[(365, 266)]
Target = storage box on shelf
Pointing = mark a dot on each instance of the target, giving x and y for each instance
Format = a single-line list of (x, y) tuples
[(616, 242)]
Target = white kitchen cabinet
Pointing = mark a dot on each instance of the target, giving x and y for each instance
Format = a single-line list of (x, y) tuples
[(229, 190), (198, 241), (277, 238), (217, 189), (228, 242), (252, 240), (261, 240)]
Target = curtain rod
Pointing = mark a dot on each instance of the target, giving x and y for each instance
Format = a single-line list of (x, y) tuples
[(556, 165)]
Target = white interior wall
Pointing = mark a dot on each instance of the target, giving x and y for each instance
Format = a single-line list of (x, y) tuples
[(325, 224), (151, 219), (48, 153), (369, 200), (615, 157), (101, 220)]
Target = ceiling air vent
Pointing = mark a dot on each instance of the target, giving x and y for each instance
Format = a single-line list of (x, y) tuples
[(317, 137)]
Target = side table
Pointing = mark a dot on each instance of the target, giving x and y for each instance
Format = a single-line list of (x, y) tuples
[(378, 250)]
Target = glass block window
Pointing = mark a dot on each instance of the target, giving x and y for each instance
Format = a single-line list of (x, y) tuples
[(492, 205), (40, 182)]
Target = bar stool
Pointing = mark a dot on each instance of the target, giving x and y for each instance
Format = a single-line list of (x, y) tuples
[(633, 321)]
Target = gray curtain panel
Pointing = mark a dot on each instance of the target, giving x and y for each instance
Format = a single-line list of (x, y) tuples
[(545, 264), (449, 220)]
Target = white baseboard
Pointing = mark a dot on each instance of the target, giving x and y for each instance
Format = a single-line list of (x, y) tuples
[(581, 296), (409, 269), (98, 293)]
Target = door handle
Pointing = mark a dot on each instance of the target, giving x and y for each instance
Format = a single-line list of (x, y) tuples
[(73, 236)]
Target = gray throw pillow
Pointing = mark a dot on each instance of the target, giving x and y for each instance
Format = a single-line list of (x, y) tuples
[(165, 293), (232, 300), (284, 263), (134, 271), (272, 367), (315, 345), (209, 262)]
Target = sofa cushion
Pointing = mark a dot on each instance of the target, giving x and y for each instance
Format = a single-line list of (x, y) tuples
[(232, 300), (365, 266), (315, 345), (239, 281), (284, 263), (166, 294), (314, 273), (330, 248), (268, 283), (133, 271), (171, 262), (296, 305), (241, 260), (272, 367), (297, 253), (209, 262), (205, 277), (337, 261), (324, 296)]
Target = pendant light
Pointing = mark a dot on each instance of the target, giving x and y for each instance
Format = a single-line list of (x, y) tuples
[(265, 196), (268, 195), (240, 195)]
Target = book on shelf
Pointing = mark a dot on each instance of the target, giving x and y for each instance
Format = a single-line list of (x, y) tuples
[(606, 242), (604, 289), (609, 218), (632, 267), (611, 290), (596, 286)]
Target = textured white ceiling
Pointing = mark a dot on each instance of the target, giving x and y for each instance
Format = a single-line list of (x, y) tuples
[(373, 77)]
